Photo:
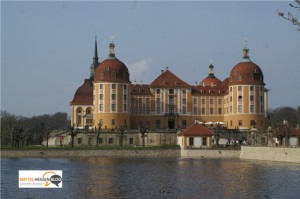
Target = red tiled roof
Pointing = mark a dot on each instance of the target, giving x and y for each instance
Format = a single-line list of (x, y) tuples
[(167, 79), (196, 129), (84, 94), (249, 71), (112, 70), (140, 89), (210, 80), (207, 90)]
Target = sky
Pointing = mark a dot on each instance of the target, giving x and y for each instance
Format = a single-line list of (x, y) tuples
[(47, 47)]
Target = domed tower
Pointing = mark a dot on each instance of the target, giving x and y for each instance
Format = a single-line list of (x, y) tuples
[(211, 79), (248, 97), (111, 92)]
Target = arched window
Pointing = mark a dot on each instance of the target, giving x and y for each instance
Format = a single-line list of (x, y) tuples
[(79, 116)]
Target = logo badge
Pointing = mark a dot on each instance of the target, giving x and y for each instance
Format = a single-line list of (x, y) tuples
[(40, 178)]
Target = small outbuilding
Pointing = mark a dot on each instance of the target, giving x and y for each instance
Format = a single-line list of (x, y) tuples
[(195, 136)]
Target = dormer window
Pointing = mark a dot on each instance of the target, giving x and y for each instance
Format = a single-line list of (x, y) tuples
[(113, 75), (251, 77), (240, 77), (101, 75)]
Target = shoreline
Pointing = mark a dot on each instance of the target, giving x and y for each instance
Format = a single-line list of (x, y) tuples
[(249, 153)]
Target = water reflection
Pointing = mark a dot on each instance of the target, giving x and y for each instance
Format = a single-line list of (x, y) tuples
[(95, 177)]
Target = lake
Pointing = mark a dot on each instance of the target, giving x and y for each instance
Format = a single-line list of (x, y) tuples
[(96, 177)]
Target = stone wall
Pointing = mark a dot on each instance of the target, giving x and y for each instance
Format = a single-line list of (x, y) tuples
[(205, 153), (271, 153), (88, 153)]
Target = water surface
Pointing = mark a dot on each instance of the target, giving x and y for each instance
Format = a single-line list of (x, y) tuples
[(96, 177)]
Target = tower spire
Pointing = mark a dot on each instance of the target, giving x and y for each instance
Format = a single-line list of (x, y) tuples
[(95, 60), (211, 69), (112, 48), (246, 57)]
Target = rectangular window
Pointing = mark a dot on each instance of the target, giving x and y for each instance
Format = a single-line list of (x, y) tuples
[(230, 98), (147, 101), (251, 98), (158, 124), (140, 110), (195, 101), (183, 91), (89, 121), (100, 140), (158, 91), (203, 100), (230, 89), (79, 119), (251, 108), (140, 102), (240, 88), (195, 110), (125, 87), (130, 140), (230, 109), (171, 91), (101, 97), (203, 111), (220, 101), (240, 98), (220, 111), (125, 97), (110, 140), (183, 123), (240, 123), (251, 88), (101, 86), (240, 109), (211, 100), (184, 110), (113, 122), (113, 96), (132, 110), (147, 110), (124, 107), (113, 86), (79, 141), (191, 141), (204, 141), (211, 111), (113, 107), (183, 100)]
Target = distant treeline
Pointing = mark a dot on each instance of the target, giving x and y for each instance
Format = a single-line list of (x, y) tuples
[(19, 131)]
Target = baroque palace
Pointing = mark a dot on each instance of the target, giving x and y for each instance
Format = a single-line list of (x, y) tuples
[(108, 98)]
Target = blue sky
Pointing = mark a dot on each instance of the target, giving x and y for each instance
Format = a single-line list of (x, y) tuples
[(47, 47)]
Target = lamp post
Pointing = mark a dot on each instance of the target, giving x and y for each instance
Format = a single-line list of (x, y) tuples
[(73, 133), (98, 132), (121, 134), (143, 131)]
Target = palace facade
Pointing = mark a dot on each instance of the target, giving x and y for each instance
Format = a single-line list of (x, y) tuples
[(110, 99)]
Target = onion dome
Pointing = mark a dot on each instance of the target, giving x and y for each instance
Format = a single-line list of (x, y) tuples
[(112, 69), (211, 79), (84, 94), (246, 72)]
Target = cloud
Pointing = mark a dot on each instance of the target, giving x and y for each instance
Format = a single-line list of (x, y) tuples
[(138, 70)]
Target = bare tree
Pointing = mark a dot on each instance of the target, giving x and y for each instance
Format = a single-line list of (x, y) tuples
[(290, 17)]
